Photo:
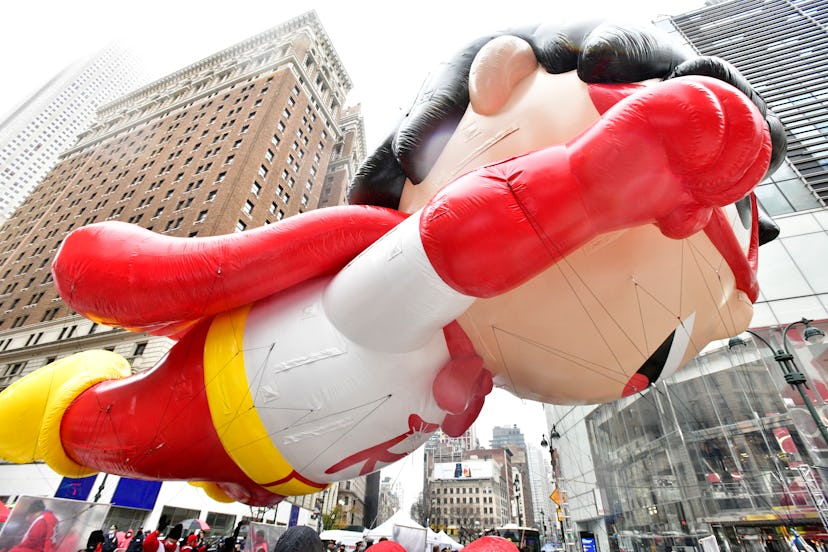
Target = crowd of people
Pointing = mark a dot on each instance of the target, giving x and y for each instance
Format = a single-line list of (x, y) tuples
[(41, 536)]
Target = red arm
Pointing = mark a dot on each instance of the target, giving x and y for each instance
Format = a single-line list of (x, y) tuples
[(123, 275), (669, 155)]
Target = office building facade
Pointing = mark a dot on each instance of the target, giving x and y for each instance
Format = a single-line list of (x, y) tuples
[(467, 494), (240, 139), (727, 448), (48, 122)]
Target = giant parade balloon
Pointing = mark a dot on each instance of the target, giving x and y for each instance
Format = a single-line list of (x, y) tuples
[(566, 212)]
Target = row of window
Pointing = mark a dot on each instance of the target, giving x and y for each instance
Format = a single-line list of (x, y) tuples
[(466, 500), (460, 490)]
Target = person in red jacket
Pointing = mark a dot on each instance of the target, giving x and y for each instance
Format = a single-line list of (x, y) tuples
[(40, 537)]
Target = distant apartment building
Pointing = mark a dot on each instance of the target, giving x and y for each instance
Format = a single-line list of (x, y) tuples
[(512, 438), (541, 508), (390, 498), (45, 124), (243, 138), (346, 157)]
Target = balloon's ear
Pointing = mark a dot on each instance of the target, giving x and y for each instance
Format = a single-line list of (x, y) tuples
[(496, 70)]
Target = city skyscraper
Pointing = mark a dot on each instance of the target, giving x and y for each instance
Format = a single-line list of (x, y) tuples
[(507, 435), (245, 137), (542, 507), (48, 122), (727, 448)]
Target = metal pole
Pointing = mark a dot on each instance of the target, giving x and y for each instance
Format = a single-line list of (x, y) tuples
[(793, 376), (797, 379), (100, 488)]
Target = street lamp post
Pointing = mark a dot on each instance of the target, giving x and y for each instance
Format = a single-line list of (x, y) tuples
[(318, 510), (785, 359), (100, 488), (553, 434), (517, 500)]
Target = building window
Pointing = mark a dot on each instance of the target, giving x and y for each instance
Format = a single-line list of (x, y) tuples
[(263, 171), (49, 314), (256, 189), (248, 208), (240, 226), (201, 216), (11, 371), (19, 321)]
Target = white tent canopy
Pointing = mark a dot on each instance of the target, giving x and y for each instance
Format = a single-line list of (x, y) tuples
[(445, 540), (348, 538), (386, 529), (402, 529)]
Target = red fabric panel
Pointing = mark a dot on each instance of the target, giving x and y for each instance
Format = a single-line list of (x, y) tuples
[(155, 425)]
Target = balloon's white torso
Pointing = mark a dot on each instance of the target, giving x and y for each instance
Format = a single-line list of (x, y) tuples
[(364, 366)]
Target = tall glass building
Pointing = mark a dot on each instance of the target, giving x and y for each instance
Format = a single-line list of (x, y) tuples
[(727, 448)]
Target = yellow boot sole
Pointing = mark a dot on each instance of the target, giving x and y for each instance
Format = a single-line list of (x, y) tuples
[(32, 407)]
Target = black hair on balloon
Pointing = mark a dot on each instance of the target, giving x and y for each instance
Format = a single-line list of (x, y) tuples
[(600, 52)]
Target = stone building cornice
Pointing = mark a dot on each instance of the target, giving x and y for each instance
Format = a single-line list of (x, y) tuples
[(230, 56), (204, 77)]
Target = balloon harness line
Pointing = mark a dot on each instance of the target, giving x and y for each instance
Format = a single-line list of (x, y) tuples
[(614, 374)]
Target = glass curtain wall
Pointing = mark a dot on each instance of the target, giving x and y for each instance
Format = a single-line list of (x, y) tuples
[(718, 447)]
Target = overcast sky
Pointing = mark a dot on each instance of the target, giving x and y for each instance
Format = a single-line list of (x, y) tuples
[(387, 48)]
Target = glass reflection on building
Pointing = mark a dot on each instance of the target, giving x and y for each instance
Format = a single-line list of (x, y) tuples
[(716, 448)]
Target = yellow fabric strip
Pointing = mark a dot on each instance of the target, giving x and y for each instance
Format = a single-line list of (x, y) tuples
[(239, 426)]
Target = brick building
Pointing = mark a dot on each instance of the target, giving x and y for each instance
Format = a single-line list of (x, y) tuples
[(240, 139)]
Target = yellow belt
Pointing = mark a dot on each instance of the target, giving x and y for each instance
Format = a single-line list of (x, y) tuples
[(239, 427)]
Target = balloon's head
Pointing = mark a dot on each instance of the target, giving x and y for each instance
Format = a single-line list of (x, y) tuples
[(630, 307)]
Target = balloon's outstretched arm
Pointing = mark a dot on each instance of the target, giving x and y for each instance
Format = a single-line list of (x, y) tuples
[(668, 155), (123, 275)]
